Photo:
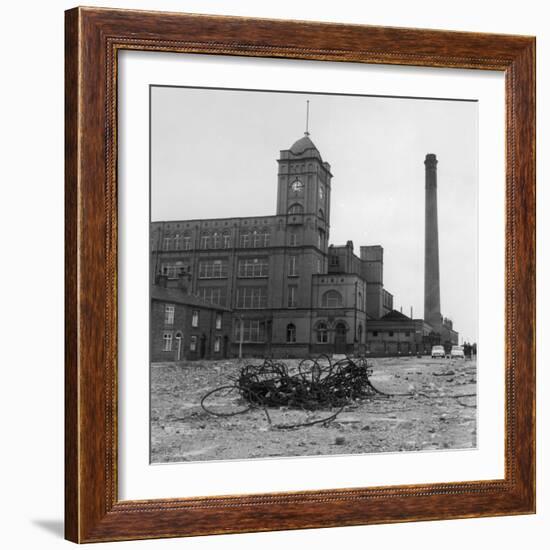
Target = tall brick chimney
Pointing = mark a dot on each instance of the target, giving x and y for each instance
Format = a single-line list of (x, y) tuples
[(432, 306)]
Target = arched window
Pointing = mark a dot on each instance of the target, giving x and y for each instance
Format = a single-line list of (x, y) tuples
[(205, 241), (321, 214), (322, 333), (245, 240), (332, 298), (226, 240), (177, 241), (216, 240), (321, 238), (291, 333), (186, 241), (295, 208), (257, 239), (360, 334), (360, 301)]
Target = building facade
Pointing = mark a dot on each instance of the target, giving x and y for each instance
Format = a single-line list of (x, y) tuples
[(185, 327), (287, 291)]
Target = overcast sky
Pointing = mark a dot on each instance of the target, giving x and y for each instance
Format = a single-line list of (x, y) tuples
[(214, 154)]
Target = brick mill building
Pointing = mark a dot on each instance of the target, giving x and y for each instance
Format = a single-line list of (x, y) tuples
[(279, 286)]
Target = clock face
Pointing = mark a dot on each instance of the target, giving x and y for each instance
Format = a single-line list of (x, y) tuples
[(297, 186)]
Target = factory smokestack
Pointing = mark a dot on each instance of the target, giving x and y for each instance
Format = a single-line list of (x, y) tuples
[(432, 306)]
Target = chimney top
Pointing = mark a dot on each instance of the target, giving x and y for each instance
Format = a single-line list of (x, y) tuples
[(431, 159)]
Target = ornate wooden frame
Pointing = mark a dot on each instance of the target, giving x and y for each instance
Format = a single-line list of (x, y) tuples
[(93, 511)]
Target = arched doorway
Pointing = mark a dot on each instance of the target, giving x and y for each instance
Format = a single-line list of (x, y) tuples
[(340, 338), (179, 345)]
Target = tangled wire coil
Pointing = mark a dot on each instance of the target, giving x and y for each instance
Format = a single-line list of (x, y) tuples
[(316, 384)]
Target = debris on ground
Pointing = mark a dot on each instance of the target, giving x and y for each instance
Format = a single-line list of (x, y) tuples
[(316, 384), (182, 431)]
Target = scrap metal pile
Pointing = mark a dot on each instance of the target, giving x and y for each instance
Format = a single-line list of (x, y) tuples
[(315, 384)]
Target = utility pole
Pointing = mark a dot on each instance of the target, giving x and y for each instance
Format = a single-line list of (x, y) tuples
[(241, 336)]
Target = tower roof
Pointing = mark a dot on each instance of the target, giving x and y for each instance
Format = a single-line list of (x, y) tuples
[(302, 145)]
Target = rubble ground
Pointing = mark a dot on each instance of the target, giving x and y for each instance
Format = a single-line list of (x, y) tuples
[(432, 407)]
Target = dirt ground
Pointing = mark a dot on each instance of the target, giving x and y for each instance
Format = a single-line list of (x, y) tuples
[(430, 414)]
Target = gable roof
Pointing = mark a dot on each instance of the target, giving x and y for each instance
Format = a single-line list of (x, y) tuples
[(395, 315)]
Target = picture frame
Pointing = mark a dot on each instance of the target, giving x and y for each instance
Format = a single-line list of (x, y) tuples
[(94, 38)]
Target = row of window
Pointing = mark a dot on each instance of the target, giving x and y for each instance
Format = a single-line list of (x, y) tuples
[(169, 315), (252, 298), (391, 333), (256, 298), (219, 241), (208, 241), (254, 331), (255, 239), (214, 295), (249, 268), (167, 342), (254, 267), (174, 270)]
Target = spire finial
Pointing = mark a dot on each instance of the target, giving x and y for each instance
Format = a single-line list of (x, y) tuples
[(307, 118)]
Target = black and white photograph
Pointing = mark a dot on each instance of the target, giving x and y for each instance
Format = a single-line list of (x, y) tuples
[(313, 274)]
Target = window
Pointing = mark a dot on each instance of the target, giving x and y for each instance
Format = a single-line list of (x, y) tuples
[(360, 334), (266, 236), (213, 295), (177, 242), (253, 267), (217, 344), (375, 333), (227, 240), (253, 330), (169, 314), (166, 243), (216, 240), (322, 238), (291, 333), (252, 297), (319, 265), (407, 333), (332, 298), (293, 266), (186, 242), (245, 240), (193, 343), (293, 239), (322, 333), (292, 299), (359, 301), (218, 321), (296, 209), (195, 318), (205, 241), (334, 261), (390, 333), (213, 269), (173, 271), (167, 341), (257, 239)]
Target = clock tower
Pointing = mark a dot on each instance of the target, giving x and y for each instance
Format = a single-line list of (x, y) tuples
[(304, 181)]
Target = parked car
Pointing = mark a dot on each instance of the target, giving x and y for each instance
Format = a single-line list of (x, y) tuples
[(438, 351), (457, 352)]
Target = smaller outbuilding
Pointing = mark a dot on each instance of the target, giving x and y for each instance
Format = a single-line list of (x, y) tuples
[(397, 334), (185, 327)]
